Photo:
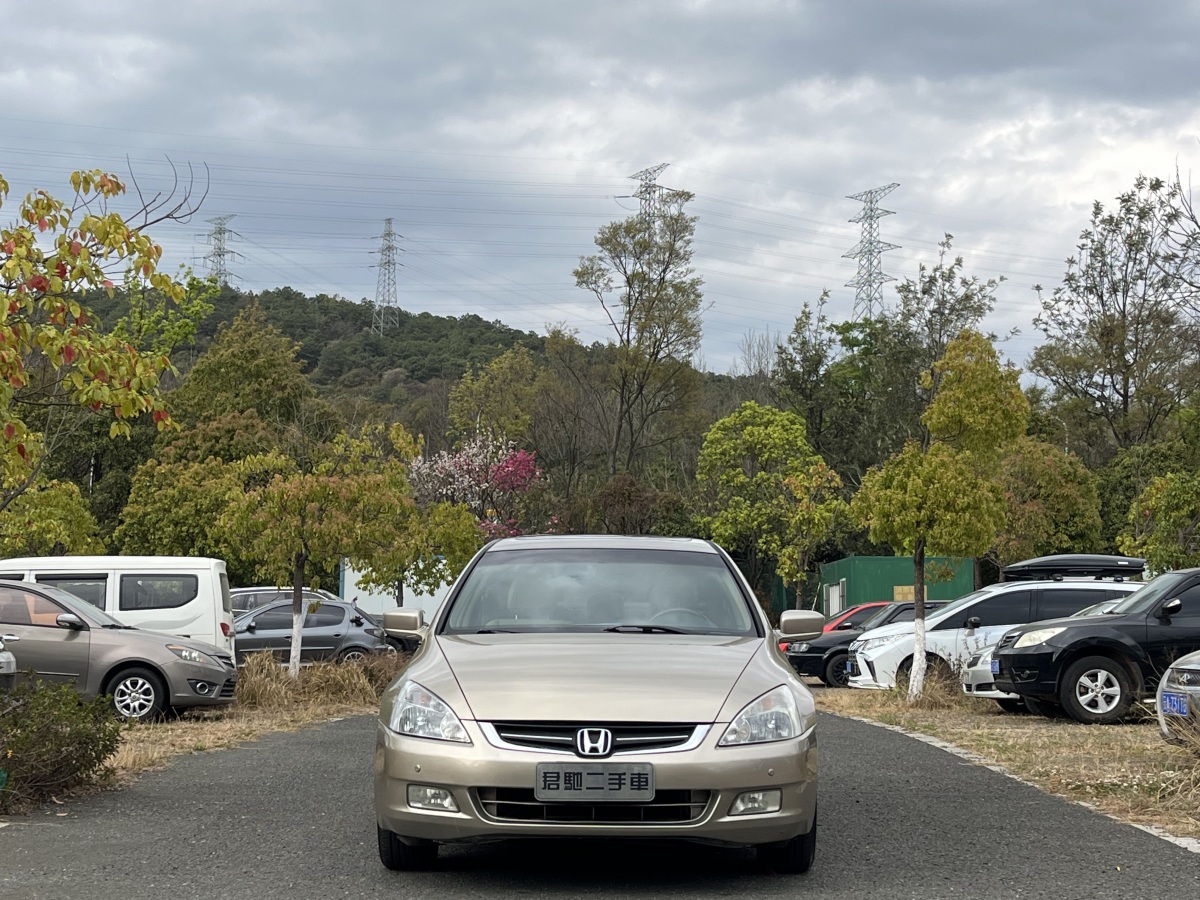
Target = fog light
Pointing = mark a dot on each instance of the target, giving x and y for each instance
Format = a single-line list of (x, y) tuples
[(203, 688), (422, 796), (752, 803)]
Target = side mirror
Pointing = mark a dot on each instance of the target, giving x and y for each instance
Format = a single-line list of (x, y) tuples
[(401, 622), (804, 624), (1171, 608), (973, 623), (250, 627), (845, 626), (70, 620)]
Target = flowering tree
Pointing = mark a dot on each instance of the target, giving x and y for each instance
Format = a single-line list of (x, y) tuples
[(489, 476)]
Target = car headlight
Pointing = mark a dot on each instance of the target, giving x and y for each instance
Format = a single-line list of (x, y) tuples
[(772, 717), (193, 656), (1188, 678), (1037, 636), (875, 643), (419, 712), (973, 661), (801, 647)]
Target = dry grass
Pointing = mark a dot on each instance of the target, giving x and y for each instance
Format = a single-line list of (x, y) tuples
[(268, 700), (1126, 770)]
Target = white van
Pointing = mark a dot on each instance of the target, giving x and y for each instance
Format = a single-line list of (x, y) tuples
[(186, 596)]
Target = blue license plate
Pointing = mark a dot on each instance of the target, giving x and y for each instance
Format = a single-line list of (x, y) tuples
[(1174, 704), (995, 667), (849, 666)]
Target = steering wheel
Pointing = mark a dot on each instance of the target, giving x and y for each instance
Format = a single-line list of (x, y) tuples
[(699, 616)]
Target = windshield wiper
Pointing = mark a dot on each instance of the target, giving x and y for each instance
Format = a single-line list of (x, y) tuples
[(645, 629), (496, 631)]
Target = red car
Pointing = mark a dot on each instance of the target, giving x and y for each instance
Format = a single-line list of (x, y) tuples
[(855, 615)]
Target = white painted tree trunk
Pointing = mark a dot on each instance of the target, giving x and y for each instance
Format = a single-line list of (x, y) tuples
[(916, 679)]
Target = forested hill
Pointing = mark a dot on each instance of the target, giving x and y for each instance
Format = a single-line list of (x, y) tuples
[(338, 347)]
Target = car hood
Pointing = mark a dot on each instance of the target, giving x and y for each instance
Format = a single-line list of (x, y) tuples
[(603, 677), (831, 639), (137, 637), (885, 631)]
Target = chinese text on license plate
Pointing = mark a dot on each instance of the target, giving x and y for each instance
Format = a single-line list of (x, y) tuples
[(995, 667), (558, 782), (1174, 704)]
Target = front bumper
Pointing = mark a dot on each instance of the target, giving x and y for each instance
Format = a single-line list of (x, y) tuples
[(1179, 729), (978, 681), (810, 665), (1031, 673), (476, 774), (875, 669), (200, 685)]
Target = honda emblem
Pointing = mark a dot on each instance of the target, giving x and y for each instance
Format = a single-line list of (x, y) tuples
[(593, 742)]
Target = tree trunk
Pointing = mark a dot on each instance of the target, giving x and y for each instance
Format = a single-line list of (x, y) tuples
[(298, 612), (916, 680), (399, 593)]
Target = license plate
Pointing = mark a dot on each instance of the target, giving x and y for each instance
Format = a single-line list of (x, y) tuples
[(1174, 704), (995, 667), (589, 782)]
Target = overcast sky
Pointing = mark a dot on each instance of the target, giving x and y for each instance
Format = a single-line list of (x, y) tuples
[(501, 135)]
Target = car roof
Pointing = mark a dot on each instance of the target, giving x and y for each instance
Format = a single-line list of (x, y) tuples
[(600, 542)]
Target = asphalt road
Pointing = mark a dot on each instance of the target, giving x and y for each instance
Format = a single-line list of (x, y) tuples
[(289, 816)]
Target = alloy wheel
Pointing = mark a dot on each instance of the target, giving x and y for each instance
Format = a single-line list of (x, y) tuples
[(1098, 691)]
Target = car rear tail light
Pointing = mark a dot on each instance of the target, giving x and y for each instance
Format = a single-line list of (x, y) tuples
[(225, 629)]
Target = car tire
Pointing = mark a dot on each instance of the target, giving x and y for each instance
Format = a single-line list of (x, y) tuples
[(401, 857), (352, 655), (794, 857), (835, 674), (1047, 708), (1012, 706), (1096, 690), (138, 694)]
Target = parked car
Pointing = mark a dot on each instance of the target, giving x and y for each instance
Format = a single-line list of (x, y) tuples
[(588, 686), (1096, 668), (332, 631), (853, 617), (61, 638), (967, 625), (245, 599), (826, 657), (187, 596), (1177, 702), (979, 681)]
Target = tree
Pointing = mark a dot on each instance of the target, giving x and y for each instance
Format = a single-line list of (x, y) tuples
[(497, 402), (250, 366), (644, 281), (1118, 338), (1051, 503), (49, 519), (1164, 523), (765, 493), (55, 358), (298, 522), (940, 497)]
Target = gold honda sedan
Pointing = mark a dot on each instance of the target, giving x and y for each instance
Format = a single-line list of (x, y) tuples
[(590, 686)]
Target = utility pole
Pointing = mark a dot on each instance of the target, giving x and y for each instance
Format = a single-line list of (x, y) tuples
[(218, 239), (386, 313), (868, 283)]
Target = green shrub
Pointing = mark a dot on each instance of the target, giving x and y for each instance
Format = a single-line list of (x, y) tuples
[(52, 742)]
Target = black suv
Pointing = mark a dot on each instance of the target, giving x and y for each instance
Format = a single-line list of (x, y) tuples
[(825, 657), (1095, 668)]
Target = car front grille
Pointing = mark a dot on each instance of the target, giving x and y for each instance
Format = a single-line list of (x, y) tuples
[(628, 737), (228, 689), (1007, 641), (520, 805)]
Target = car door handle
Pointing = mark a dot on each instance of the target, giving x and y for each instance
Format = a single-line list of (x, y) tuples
[(9, 638)]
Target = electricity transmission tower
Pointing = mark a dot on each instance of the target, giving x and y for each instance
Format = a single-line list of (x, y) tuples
[(868, 283), (653, 199), (386, 313), (217, 258)]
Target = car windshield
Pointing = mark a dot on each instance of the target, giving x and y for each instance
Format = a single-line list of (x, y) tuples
[(600, 589), (1144, 598), (81, 608), (878, 619)]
